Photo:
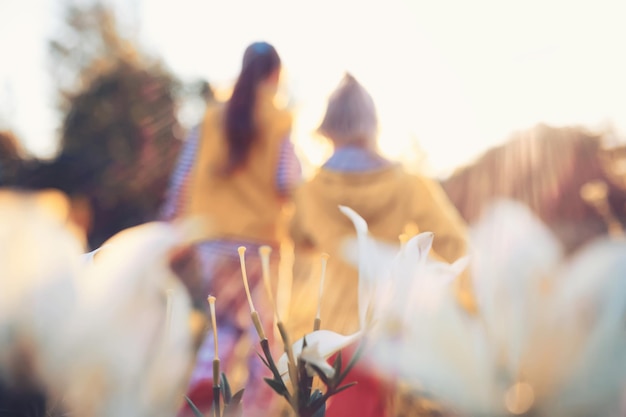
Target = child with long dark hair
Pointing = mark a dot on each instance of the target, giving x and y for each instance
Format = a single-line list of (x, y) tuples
[(236, 172)]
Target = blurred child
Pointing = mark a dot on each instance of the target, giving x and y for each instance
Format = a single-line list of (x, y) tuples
[(236, 171), (390, 200)]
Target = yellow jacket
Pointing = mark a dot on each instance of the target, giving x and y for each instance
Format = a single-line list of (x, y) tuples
[(244, 205), (392, 202)]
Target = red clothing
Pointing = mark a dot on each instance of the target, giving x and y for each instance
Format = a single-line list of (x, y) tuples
[(368, 398)]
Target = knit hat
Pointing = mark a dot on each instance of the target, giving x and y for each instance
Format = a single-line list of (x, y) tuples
[(350, 117)]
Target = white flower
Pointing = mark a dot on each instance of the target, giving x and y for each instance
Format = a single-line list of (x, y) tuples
[(385, 273), (110, 334), (311, 355), (39, 269), (128, 349), (549, 334), (395, 283), (321, 344)]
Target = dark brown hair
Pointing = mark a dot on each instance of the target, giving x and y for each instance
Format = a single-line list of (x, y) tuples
[(260, 60)]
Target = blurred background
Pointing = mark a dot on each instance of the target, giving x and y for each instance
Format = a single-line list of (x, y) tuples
[(450, 78), (513, 99)]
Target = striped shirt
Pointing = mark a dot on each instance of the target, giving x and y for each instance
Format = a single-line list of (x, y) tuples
[(288, 174)]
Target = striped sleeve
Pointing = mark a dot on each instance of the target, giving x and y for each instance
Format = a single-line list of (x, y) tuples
[(289, 172), (177, 193)]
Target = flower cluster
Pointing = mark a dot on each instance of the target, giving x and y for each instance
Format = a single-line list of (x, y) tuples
[(301, 362), (547, 338), (109, 332)]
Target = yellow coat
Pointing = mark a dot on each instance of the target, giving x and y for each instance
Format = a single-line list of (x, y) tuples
[(392, 202), (244, 205)]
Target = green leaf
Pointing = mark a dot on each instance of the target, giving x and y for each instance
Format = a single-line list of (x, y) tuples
[(343, 388), (237, 397), (337, 366), (321, 411), (355, 357), (234, 408), (317, 394), (226, 393), (195, 410), (322, 376), (264, 361), (305, 382), (270, 361), (321, 408), (277, 386), (330, 393), (319, 401)]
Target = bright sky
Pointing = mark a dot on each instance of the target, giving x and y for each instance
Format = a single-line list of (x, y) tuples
[(457, 76)]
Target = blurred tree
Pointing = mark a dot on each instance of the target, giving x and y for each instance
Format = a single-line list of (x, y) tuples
[(120, 134), (546, 168), (120, 138), (11, 158), (89, 41), (194, 96), (119, 142)]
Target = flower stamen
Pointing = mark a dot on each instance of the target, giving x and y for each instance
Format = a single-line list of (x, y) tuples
[(216, 359), (253, 313), (318, 321), (264, 253)]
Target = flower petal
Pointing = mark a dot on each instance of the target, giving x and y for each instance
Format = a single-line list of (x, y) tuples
[(312, 355), (374, 261), (130, 338), (513, 254), (592, 303), (367, 276), (39, 269), (327, 343)]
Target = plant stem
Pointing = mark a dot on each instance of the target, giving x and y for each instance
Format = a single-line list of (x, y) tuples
[(272, 365), (216, 401)]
